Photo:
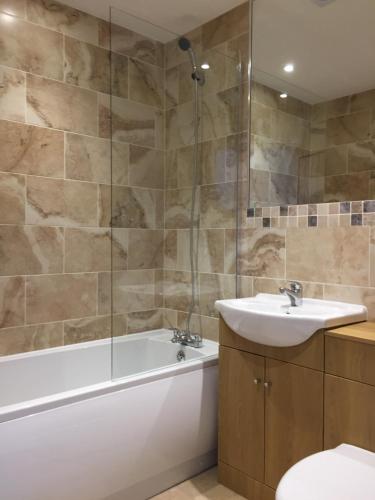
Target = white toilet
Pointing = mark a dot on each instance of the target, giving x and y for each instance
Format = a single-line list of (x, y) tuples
[(344, 473)]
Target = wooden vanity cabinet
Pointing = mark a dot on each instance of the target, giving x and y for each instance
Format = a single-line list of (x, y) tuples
[(270, 412), (293, 417), (242, 419)]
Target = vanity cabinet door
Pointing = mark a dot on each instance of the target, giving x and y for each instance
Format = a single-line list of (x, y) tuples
[(293, 417), (241, 411)]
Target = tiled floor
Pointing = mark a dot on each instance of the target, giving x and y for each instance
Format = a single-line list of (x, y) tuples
[(202, 487)]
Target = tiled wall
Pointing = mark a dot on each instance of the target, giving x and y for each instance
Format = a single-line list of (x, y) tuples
[(56, 198), (55, 174), (280, 141), (217, 43), (342, 163)]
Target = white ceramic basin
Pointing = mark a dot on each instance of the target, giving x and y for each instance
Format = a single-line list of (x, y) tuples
[(270, 320)]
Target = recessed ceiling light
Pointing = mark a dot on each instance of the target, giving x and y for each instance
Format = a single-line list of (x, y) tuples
[(205, 65), (284, 95), (289, 68)]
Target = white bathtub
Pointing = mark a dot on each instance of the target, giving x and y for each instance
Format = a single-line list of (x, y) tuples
[(67, 432)]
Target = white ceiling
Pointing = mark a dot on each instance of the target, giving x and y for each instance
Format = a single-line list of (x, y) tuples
[(176, 17), (332, 47)]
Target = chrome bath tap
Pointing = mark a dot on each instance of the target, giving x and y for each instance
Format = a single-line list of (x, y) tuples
[(295, 293), (186, 338)]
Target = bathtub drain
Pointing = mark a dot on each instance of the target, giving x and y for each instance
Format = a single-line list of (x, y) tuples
[(180, 356)]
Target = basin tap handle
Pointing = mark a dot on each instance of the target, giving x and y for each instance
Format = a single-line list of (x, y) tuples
[(296, 287)]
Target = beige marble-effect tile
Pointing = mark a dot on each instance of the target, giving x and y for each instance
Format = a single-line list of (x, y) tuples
[(169, 318), (220, 114), (31, 150), (12, 94), (222, 74), (269, 285), (207, 327), (87, 329), (361, 156), (261, 120), (30, 338), (145, 249), (177, 290), (146, 83), (119, 75), (218, 205), (12, 301), (320, 255), (60, 297), (143, 321), (59, 202), (226, 26), (131, 291), (137, 207), (178, 208), (30, 250), (146, 167), (259, 186), (170, 248), (87, 66), (262, 252), (172, 95), (105, 205), (132, 44), (271, 98), (214, 287), (230, 255), (347, 187), (237, 157), (273, 156), (13, 7), (12, 199), (87, 158), (362, 101), (349, 128), (211, 250), (289, 129), (354, 295), (132, 122), (87, 250), (57, 16), (119, 248), (48, 102), (180, 126), (120, 163), (283, 189), (31, 48), (212, 159)]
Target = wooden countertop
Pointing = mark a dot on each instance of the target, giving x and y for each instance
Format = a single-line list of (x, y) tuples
[(360, 332)]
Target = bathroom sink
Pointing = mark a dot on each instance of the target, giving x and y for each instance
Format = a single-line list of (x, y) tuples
[(270, 320)]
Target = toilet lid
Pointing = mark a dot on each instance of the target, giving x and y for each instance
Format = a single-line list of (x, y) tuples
[(345, 473)]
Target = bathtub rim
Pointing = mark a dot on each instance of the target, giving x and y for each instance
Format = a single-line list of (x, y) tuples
[(45, 403)]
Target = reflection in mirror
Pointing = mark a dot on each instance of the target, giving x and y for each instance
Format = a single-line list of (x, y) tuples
[(313, 102)]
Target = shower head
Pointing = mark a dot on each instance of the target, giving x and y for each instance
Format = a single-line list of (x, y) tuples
[(185, 45)]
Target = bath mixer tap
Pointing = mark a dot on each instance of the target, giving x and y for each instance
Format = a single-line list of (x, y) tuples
[(295, 293), (186, 338)]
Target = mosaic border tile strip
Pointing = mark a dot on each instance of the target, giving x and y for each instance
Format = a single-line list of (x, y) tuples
[(346, 213)]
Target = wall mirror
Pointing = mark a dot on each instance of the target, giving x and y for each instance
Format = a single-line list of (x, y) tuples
[(312, 102)]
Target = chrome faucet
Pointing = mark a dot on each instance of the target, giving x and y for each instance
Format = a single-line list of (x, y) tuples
[(186, 338), (295, 293)]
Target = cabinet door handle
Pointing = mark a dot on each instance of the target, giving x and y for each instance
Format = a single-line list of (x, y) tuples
[(257, 381), (267, 385)]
